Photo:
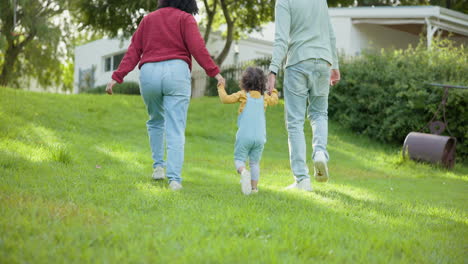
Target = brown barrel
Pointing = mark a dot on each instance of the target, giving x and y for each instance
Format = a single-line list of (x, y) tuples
[(430, 148)]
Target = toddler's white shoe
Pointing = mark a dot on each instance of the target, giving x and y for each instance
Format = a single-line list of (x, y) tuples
[(245, 182), (175, 186), (320, 167), (158, 173)]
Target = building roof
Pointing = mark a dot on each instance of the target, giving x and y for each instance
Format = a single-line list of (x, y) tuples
[(440, 17)]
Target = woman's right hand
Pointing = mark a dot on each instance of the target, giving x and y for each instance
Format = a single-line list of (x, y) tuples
[(220, 79), (109, 87)]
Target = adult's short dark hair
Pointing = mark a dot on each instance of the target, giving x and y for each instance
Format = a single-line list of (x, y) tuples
[(253, 79), (189, 6)]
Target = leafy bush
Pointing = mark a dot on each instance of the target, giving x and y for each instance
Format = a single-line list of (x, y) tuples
[(385, 95), (233, 75), (123, 88)]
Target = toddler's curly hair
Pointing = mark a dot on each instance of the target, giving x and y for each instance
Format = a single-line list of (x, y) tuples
[(253, 79)]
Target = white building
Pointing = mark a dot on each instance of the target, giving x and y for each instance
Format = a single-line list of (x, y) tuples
[(363, 28), (357, 29)]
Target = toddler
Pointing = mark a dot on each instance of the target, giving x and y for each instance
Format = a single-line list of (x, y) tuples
[(251, 133)]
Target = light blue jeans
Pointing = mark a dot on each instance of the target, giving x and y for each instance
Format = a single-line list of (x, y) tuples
[(306, 89), (166, 89)]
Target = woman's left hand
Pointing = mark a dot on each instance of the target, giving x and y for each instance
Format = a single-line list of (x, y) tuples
[(109, 87)]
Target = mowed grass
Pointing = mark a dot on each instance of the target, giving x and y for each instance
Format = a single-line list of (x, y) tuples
[(75, 187)]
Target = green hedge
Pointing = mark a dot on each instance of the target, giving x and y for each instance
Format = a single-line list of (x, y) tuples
[(384, 95), (124, 88)]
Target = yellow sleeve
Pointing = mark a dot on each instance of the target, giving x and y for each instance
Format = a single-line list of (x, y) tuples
[(228, 99), (272, 99)]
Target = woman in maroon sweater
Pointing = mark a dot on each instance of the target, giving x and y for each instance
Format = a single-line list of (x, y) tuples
[(163, 46)]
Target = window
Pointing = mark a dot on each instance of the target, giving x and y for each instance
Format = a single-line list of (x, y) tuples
[(107, 64), (117, 59), (111, 63)]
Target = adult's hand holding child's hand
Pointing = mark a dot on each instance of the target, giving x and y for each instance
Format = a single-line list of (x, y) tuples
[(271, 83), (221, 80)]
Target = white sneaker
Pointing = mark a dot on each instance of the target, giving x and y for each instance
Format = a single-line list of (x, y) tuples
[(303, 185), (320, 167), (175, 186), (245, 182), (254, 191), (158, 173), (292, 186)]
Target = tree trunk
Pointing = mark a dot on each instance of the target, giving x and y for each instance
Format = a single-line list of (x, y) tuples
[(230, 34), (9, 63), (11, 56), (227, 45), (211, 15)]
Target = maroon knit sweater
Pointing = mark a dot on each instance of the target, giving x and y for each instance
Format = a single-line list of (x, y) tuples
[(166, 34)]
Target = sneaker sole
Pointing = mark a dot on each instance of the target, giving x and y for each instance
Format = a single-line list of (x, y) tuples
[(158, 178), (322, 168), (246, 186)]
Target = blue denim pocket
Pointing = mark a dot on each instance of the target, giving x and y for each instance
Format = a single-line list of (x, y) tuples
[(320, 79), (146, 74), (179, 70), (296, 81), (179, 81)]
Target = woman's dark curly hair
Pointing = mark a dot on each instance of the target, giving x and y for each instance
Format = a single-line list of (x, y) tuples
[(253, 79), (189, 6)]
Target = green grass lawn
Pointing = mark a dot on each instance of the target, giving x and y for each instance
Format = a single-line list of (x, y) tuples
[(75, 187)]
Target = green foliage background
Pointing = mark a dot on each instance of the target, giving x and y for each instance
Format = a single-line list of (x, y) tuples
[(31, 48), (385, 95), (123, 88)]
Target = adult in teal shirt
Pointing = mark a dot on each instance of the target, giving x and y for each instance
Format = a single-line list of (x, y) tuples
[(305, 36)]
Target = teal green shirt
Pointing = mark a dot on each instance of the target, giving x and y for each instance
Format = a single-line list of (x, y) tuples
[(303, 31)]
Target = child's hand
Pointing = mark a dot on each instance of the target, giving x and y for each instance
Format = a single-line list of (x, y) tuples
[(221, 80)]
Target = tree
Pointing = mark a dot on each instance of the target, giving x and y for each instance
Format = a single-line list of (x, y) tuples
[(121, 17), (458, 5), (243, 17), (30, 47)]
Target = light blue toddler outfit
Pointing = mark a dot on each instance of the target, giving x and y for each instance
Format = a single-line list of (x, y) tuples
[(251, 135)]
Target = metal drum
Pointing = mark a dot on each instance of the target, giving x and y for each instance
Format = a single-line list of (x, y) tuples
[(430, 148), (433, 147)]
